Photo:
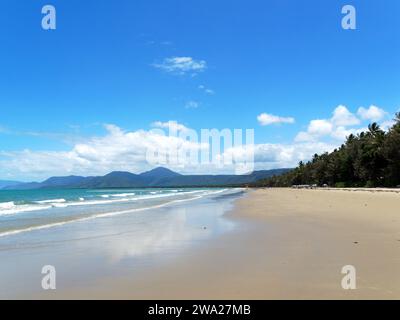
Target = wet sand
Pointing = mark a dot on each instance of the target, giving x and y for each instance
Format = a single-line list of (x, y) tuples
[(290, 244)]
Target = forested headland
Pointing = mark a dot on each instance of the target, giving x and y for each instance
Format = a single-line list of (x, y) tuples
[(368, 159)]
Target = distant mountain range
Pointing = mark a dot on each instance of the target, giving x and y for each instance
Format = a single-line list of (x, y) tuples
[(7, 183), (158, 177)]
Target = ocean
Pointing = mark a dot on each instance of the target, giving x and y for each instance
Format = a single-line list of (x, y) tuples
[(28, 210)]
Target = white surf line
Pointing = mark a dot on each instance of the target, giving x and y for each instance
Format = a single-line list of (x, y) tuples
[(100, 215), (58, 203), (51, 201), (23, 208)]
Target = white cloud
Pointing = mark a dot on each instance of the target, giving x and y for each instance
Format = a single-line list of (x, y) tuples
[(126, 151), (172, 125), (270, 155), (182, 65), (343, 117), (386, 125), (373, 113), (304, 137), (337, 126), (266, 119), (341, 133), (320, 127), (316, 129), (117, 150)]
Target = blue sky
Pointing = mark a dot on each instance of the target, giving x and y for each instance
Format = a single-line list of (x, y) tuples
[(205, 64)]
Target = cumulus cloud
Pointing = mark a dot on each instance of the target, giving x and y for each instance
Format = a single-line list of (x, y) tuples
[(316, 129), (341, 133), (270, 155), (303, 136), (337, 126), (343, 117), (182, 65), (320, 127), (124, 150), (266, 119), (116, 150), (373, 113)]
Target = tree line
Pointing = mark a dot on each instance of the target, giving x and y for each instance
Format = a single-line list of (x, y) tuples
[(368, 159)]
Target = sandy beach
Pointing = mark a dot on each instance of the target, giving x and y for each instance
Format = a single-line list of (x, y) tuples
[(291, 244)]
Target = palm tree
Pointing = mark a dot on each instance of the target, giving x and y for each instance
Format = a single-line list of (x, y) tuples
[(374, 130), (351, 138)]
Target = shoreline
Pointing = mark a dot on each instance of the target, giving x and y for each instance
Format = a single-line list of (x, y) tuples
[(395, 190)]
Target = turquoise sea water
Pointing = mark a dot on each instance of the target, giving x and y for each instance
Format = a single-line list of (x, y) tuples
[(28, 210)]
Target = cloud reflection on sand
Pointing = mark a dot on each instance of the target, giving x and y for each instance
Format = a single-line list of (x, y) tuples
[(164, 231)]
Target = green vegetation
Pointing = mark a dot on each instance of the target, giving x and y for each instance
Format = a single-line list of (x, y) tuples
[(370, 159)]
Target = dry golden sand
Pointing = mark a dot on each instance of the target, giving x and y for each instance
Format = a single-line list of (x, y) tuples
[(290, 244)]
